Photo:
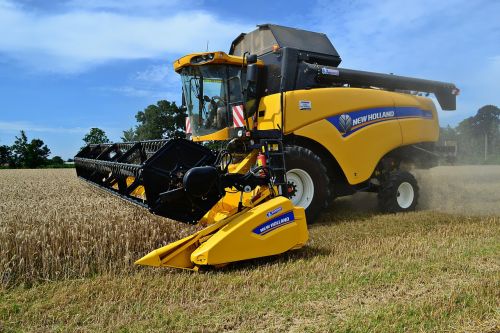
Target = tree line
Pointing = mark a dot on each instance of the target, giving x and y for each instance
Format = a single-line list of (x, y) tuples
[(27, 154), (157, 121), (477, 138), (161, 120)]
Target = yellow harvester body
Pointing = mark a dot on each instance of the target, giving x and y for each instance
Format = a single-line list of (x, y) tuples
[(294, 131)]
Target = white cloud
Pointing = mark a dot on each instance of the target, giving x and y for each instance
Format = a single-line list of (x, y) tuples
[(17, 126), (80, 38), (412, 35), (163, 74), (130, 91), (150, 6), (154, 82), (157, 73)]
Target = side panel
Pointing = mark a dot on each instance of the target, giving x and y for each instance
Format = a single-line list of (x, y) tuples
[(357, 149), (418, 129), (269, 116), (270, 228), (358, 126), (358, 153), (327, 102)]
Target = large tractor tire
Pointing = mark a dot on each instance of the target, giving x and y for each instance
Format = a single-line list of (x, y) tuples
[(398, 193), (309, 184)]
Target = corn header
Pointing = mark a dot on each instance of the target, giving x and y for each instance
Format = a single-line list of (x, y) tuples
[(295, 131)]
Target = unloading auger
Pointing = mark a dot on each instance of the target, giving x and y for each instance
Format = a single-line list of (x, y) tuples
[(296, 131)]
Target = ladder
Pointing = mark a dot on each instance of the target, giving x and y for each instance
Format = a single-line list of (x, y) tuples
[(275, 156)]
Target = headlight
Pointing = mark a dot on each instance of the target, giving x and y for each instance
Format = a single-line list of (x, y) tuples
[(202, 58)]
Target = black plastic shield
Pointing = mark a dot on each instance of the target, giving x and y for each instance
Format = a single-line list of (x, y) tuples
[(158, 166)]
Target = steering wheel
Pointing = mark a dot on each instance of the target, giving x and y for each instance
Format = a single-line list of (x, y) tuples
[(216, 100)]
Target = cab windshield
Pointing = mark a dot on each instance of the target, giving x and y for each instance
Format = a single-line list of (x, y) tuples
[(210, 92)]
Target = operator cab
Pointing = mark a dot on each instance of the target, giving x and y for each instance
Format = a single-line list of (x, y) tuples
[(215, 90), (210, 93)]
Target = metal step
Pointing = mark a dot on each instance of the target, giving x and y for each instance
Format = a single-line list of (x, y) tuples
[(276, 162)]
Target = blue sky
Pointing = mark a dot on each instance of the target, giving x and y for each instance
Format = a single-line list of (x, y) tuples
[(67, 66)]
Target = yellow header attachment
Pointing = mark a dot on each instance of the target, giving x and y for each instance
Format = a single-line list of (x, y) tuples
[(219, 57)]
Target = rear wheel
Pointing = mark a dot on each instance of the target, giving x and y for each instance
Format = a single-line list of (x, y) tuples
[(308, 181), (398, 193)]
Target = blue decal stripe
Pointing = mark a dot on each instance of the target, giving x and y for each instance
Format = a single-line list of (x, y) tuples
[(276, 227), (351, 122), (275, 223)]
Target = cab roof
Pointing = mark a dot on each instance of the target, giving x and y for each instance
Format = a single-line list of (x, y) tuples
[(218, 57)]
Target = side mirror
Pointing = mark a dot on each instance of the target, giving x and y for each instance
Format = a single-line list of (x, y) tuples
[(252, 73)]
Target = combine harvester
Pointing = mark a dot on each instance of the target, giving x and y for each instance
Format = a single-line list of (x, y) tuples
[(298, 131)]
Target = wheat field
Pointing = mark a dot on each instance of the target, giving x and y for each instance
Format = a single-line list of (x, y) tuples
[(54, 226), (67, 252)]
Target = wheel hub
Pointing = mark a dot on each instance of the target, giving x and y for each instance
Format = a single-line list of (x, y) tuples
[(405, 195), (302, 187), (292, 189)]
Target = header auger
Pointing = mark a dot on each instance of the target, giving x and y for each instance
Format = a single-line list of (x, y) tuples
[(297, 131)]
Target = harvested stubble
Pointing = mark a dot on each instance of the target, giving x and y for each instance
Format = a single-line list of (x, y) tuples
[(54, 226)]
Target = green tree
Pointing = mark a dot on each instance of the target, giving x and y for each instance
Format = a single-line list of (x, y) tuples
[(94, 136), (57, 160), (6, 157), (479, 136), (486, 123), (163, 120), (30, 155), (20, 148), (129, 135)]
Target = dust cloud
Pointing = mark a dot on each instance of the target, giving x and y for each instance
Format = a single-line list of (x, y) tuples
[(469, 190), (465, 190)]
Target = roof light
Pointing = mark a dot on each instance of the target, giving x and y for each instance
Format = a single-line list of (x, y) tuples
[(202, 58)]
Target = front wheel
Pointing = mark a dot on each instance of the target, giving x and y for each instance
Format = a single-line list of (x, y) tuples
[(308, 181), (398, 193)]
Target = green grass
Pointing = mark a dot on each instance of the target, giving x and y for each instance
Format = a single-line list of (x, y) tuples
[(360, 272)]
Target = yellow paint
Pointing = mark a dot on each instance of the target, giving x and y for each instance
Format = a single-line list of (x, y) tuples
[(244, 166), (219, 58), (271, 119), (327, 102), (417, 130), (359, 153), (222, 134), (139, 192), (236, 240), (177, 254)]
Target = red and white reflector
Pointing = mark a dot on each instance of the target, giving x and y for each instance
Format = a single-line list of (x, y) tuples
[(188, 126), (455, 92), (238, 117)]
